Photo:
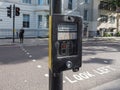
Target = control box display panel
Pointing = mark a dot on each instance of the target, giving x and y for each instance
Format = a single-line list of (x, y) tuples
[(67, 37)]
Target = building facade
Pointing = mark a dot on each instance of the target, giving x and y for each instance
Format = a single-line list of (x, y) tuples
[(33, 18), (108, 19), (88, 10)]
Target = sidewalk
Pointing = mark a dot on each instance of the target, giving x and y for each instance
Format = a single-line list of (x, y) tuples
[(102, 38), (44, 41), (113, 85), (27, 42)]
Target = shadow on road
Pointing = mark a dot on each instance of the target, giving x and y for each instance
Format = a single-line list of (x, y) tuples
[(98, 61), (94, 48), (17, 54)]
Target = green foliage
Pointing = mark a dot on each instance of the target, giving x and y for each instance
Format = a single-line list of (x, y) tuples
[(115, 3), (112, 5), (118, 34), (107, 35)]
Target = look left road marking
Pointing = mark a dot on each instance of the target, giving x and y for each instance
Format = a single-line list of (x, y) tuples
[(87, 75)]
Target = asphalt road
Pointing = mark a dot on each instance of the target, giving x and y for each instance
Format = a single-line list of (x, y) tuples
[(26, 67)]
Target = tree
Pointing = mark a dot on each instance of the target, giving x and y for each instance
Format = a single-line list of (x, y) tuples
[(113, 6), (116, 4)]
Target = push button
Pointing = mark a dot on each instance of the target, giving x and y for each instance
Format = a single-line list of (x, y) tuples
[(69, 64)]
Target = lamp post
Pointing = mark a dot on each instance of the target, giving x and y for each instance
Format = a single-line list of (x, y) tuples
[(85, 32)]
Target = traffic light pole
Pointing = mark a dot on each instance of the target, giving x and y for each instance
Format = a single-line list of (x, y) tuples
[(55, 79), (13, 23)]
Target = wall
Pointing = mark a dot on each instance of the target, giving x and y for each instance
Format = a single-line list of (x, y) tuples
[(6, 23)]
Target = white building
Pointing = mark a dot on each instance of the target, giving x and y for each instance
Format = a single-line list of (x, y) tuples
[(108, 19), (33, 18), (88, 10)]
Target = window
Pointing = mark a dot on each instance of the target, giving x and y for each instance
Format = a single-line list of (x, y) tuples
[(86, 1), (39, 21), (104, 18), (112, 19), (26, 20), (27, 1), (70, 4), (40, 2), (47, 21), (48, 1), (104, 5), (85, 14)]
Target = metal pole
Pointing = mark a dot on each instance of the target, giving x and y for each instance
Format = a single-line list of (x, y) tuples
[(13, 23), (55, 81), (56, 7)]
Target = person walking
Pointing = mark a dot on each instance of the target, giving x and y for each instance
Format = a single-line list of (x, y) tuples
[(21, 35)]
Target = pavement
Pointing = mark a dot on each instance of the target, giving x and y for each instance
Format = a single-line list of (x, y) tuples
[(44, 41), (113, 85), (27, 42)]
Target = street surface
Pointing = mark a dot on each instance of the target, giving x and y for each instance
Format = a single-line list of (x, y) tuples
[(26, 67)]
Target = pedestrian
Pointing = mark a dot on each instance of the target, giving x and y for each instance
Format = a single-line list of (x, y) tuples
[(98, 33), (21, 35), (17, 35)]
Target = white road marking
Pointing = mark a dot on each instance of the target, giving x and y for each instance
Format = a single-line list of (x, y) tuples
[(64, 81), (46, 75), (105, 47), (87, 75), (105, 61), (113, 69), (30, 56), (39, 66), (28, 53), (34, 60), (23, 49), (25, 81), (92, 57), (70, 80)]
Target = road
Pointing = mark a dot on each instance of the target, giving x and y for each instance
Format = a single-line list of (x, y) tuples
[(26, 67)]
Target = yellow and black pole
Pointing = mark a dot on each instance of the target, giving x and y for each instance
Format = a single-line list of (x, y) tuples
[(55, 79), (65, 44)]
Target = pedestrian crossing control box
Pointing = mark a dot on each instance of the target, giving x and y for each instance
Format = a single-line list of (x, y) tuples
[(65, 43)]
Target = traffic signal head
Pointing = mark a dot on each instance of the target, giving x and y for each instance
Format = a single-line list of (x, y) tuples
[(9, 9), (17, 11)]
